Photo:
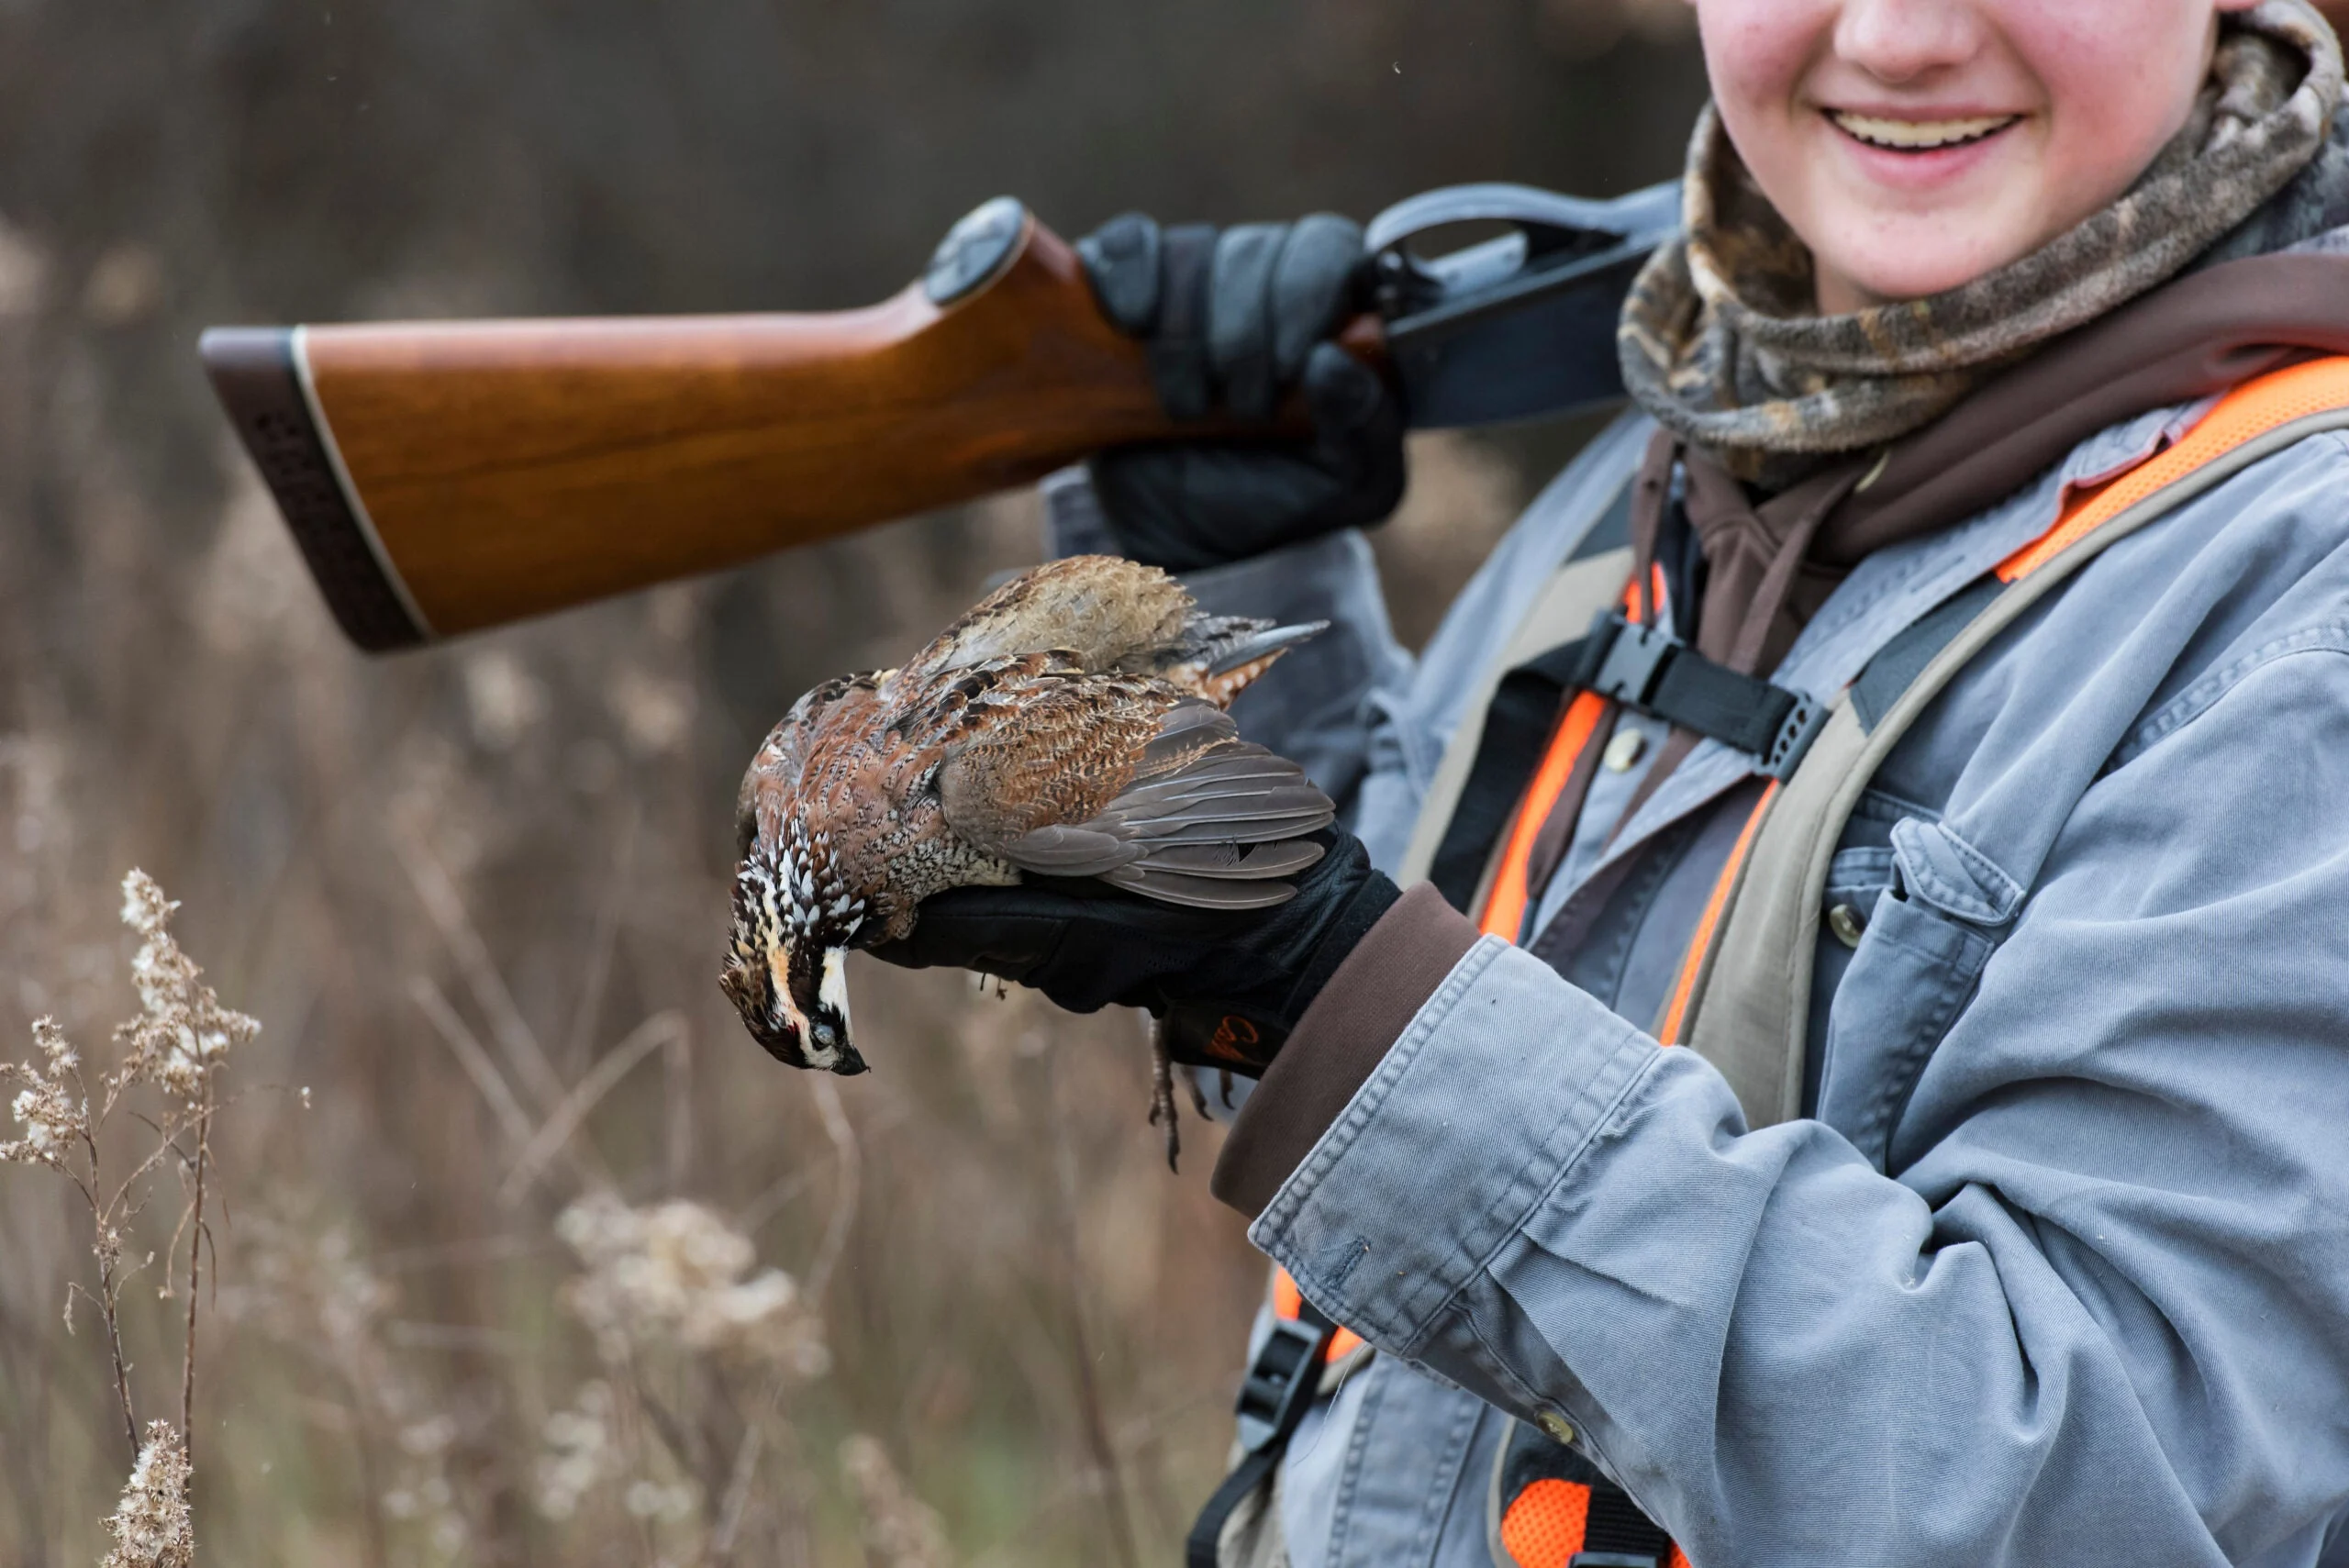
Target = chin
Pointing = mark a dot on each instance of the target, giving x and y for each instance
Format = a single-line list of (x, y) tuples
[(1895, 258)]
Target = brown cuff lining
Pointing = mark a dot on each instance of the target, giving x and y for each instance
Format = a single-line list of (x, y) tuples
[(1339, 1044)]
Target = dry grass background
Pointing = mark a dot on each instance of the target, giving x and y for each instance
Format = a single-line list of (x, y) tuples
[(552, 1265)]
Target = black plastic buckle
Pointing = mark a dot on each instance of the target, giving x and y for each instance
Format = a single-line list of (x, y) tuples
[(1795, 732), (1625, 660), (1280, 1383), (1614, 1559)]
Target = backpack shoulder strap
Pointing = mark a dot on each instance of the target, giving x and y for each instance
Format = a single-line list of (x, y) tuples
[(1745, 1003), (1581, 589)]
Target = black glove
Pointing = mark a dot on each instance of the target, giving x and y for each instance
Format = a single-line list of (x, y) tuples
[(1236, 319), (1231, 985)]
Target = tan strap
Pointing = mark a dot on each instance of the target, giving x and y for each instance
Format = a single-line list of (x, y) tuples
[(1578, 592)]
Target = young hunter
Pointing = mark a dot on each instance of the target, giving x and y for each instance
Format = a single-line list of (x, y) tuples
[(1845, 1060)]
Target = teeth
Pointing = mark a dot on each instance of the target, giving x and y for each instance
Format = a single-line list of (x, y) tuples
[(1919, 136)]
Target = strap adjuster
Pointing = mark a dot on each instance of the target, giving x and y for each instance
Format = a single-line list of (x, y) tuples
[(1280, 1382), (1795, 732)]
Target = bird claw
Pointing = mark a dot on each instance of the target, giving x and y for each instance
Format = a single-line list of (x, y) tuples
[(1162, 1093)]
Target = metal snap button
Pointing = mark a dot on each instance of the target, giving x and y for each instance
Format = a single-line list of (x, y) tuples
[(1627, 747), (1557, 1426), (1848, 924)]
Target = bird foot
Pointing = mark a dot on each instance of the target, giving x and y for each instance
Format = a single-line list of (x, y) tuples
[(1162, 1093)]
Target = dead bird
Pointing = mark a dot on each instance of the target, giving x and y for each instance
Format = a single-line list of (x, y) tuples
[(1072, 724)]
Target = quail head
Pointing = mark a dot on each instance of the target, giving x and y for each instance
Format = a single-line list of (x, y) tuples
[(1071, 725)]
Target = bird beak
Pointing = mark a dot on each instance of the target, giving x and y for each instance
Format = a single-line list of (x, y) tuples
[(851, 1064)]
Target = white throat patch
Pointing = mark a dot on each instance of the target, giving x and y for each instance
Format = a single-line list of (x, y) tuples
[(833, 987)]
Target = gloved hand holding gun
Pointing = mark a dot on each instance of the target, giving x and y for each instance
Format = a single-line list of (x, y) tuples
[(1236, 321)]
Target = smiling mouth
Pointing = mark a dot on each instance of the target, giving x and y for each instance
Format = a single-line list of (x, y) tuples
[(1919, 136)]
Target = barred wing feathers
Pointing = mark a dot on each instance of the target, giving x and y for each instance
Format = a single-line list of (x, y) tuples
[(1157, 795)]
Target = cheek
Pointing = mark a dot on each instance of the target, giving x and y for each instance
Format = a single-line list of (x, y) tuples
[(1756, 55), (2120, 79)]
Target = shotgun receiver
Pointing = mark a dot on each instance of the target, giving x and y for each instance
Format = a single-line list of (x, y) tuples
[(445, 477)]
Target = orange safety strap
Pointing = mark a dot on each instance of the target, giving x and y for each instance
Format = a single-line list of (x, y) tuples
[(2250, 411), (1685, 988), (1288, 1302), (1547, 1523), (1503, 912)]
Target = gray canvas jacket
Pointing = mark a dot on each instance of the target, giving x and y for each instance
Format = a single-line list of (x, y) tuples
[(2057, 1272)]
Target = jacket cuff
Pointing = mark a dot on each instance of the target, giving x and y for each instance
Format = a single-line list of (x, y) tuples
[(1337, 1044)]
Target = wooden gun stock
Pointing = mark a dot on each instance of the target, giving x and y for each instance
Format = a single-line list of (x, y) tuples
[(445, 477)]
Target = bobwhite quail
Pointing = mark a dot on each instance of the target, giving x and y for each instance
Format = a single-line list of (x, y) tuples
[(1072, 724)]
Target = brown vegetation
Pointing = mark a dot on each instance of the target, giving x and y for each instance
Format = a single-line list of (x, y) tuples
[(955, 1310)]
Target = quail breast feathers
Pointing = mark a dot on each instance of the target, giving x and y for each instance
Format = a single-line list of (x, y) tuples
[(1072, 724)]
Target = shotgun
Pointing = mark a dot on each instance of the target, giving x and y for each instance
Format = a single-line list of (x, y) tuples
[(447, 477)]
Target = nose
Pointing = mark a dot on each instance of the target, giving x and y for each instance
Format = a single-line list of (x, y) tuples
[(1899, 41)]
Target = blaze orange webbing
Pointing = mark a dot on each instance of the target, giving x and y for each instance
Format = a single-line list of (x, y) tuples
[(1504, 913), (2252, 410), (1288, 1301), (1685, 988)]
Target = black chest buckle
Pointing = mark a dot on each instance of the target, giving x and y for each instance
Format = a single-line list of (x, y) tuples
[(1646, 669), (1280, 1382)]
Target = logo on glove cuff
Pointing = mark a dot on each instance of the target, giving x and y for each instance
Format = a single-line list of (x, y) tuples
[(1232, 1035)]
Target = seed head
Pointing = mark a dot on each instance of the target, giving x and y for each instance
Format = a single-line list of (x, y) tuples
[(151, 1526), (53, 1114), (900, 1530), (675, 1275), (182, 1034)]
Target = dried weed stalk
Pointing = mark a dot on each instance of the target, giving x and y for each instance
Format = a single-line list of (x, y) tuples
[(178, 1044), (696, 1341), (900, 1530), (670, 1288), (306, 1288)]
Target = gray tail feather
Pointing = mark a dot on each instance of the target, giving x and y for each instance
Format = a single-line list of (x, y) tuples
[(1225, 654), (1074, 851), (1237, 863), (1200, 892), (1238, 828)]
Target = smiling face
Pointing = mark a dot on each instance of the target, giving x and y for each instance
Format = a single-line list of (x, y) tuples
[(1916, 145)]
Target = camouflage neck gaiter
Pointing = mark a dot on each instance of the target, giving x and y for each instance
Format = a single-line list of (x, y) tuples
[(1722, 341)]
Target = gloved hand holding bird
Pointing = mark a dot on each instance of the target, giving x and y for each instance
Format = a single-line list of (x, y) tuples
[(1051, 792)]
